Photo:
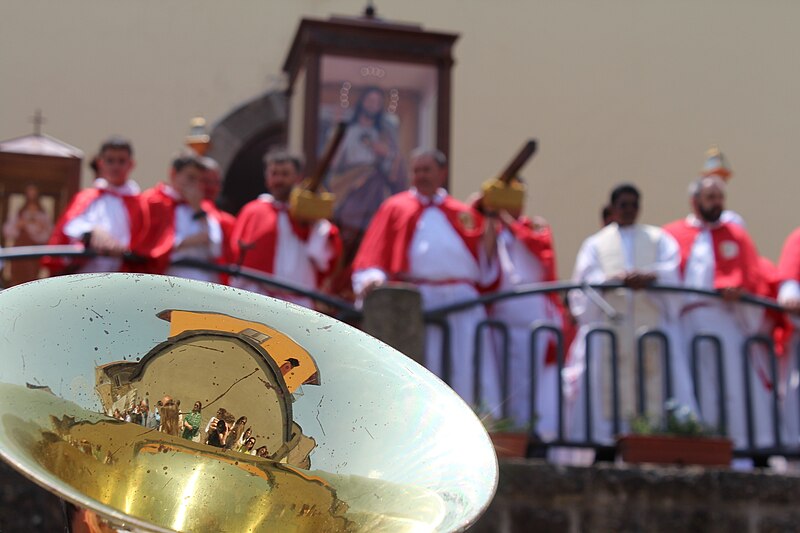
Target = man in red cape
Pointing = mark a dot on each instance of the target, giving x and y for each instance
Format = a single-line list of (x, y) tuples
[(526, 256), (719, 255), (789, 297), (267, 238), (180, 225), (425, 237), (107, 216)]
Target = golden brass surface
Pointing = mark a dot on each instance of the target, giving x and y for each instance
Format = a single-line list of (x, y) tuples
[(356, 437)]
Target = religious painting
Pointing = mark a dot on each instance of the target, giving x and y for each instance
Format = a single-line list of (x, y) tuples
[(28, 221), (390, 109), (38, 176)]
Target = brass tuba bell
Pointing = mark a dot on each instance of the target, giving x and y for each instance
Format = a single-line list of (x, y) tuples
[(160, 404)]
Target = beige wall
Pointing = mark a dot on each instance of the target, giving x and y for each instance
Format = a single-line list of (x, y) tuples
[(614, 90)]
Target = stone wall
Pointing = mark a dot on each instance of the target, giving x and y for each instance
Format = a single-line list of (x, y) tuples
[(24, 506), (534, 496), (537, 496)]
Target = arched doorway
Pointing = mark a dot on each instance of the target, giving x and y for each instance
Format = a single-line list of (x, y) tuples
[(240, 140)]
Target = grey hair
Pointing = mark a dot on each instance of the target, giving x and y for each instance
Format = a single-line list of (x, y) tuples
[(700, 183), (437, 155)]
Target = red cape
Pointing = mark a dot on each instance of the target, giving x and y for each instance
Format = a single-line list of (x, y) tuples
[(781, 325), (254, 239), (77, 206), (789, 269), (539, 242), (389, 234), (789, 264), (736, 261)]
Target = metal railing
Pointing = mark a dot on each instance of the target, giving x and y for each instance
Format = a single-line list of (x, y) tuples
[(753, 342)]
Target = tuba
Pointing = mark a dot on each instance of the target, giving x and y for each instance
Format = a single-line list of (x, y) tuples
[(153, 403)]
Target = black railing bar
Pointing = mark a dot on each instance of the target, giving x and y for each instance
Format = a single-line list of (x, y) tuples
[(444, 326), (257, 275), (559, 286), (536, 329), (478, 358), (666, 361)]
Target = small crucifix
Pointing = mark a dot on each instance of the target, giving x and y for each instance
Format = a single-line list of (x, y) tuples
[(369, 11), (37, 119)]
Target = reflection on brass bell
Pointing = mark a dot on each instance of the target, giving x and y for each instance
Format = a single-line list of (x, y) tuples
[(198, 138), (498, 194), (141, 400), (310, 206)]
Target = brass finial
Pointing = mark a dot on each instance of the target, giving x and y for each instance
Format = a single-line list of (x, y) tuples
[(716, 164), (198, 138)]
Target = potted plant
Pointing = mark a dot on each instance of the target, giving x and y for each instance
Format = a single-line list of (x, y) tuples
[(509, 439), (679, 439)]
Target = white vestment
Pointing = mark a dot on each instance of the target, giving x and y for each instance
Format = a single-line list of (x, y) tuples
[(108, 213), (518, 266), (788, 371), (606, 255), (188, 224), (296, 261), (732, 323), (445, 271)]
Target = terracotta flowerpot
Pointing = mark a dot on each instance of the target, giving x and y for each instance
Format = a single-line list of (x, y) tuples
[(510, 444), (665, 449)]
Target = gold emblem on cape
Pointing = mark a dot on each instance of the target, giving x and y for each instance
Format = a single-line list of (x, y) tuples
[(467, 220)]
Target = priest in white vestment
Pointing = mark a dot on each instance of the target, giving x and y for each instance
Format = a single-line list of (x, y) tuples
[(637, 255)]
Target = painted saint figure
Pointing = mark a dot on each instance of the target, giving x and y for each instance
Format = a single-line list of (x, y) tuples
[(29, 226)]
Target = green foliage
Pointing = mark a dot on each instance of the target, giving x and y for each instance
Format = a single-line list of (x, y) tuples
[(680, 421)]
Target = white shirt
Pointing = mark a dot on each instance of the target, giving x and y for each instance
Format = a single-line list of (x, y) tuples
[(186, 225), (517, 263), (108, 213), (296, 261), (701, 263), (436, 252), (588, 268)]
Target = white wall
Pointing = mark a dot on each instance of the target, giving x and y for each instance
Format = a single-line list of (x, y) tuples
[(619, 90)]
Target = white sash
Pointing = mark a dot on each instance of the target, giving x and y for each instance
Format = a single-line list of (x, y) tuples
[(638, 311)]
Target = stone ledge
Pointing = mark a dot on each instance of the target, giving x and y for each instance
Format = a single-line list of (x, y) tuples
[(537, 496)]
